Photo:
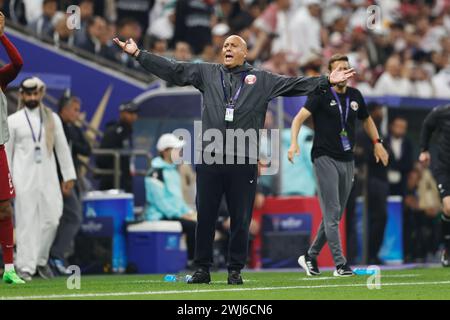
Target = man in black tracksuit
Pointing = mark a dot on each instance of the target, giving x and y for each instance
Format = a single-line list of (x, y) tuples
[(119, 136), (235, 96), (439, 120), (377, 189)]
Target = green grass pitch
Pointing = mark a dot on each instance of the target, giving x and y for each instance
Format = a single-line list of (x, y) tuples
[(430, 283)]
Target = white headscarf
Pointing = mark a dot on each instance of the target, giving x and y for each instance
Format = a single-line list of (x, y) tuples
[(47, 113)]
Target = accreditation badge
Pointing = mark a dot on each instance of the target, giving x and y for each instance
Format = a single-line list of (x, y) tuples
[(37, 154), (345, 141), (229, 114)]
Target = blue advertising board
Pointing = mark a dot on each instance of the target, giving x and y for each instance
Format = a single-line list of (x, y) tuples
[(391, 251), (284, 238)]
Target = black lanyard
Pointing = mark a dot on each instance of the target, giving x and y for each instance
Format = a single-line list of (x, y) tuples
[(31, 128), (233, 100)]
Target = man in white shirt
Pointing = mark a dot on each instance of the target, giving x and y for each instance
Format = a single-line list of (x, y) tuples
[(36, 134), (305, 31), (441, 83), (392, 82)]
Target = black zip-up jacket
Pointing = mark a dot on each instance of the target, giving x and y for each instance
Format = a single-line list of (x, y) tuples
[(251, 106), (118, 135), (438, 120)]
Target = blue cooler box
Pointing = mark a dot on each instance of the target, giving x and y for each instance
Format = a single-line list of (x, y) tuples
[(119, 206), (156, 247)]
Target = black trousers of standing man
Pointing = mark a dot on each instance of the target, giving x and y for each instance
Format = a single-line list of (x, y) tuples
[(69, 224), (238, 183), (378, 191)]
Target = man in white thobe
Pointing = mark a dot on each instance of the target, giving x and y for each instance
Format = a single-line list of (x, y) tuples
[(36, 134)]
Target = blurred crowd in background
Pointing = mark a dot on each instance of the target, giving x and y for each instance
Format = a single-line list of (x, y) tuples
[(405, 51), (400, 48)]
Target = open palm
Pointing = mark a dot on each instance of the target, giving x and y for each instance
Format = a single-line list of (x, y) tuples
[(129, 46), (338, 76)]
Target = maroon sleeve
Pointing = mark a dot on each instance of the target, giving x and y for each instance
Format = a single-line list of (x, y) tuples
[(9, 71)]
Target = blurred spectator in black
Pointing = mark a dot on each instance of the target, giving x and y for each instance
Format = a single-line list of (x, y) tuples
[(182, 52), (158, 46), (226, 9), (126, 28), (44, 25), (70, 221), (118, 136), (401, 162), (14, 10), (97, 37), (193, 23), (420, 229), (138, 9), (377, 187)]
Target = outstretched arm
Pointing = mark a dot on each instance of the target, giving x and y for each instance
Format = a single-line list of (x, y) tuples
[(179, 73), (10, 71), (301, 86)]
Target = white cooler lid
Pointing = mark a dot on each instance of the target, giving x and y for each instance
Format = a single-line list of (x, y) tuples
[(107, 195), (155, 226)]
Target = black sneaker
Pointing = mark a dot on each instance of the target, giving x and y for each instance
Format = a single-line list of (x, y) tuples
[(45, 272), (309, 265), (343, 270), (234, 277), (200, 276), (445, 259)]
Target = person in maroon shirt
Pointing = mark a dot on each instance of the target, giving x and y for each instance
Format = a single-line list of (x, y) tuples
[(7, 74)]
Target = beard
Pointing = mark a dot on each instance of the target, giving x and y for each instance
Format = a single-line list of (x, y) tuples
[(31, 104), (342, 84)]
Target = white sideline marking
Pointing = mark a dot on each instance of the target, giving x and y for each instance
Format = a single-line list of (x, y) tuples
[(134, 293), (400, 275), (318, 278)]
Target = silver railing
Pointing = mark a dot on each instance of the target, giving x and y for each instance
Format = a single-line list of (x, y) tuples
[(115, 171)]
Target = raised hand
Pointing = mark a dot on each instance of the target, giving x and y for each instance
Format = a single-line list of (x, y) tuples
[(338, 76), (128, 46)]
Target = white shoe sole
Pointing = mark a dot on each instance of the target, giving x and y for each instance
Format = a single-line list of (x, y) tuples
[(302, 263), (336, 274)]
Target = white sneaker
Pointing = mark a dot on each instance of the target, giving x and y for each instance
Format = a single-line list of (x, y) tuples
[(309, 265), (343, 271)]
